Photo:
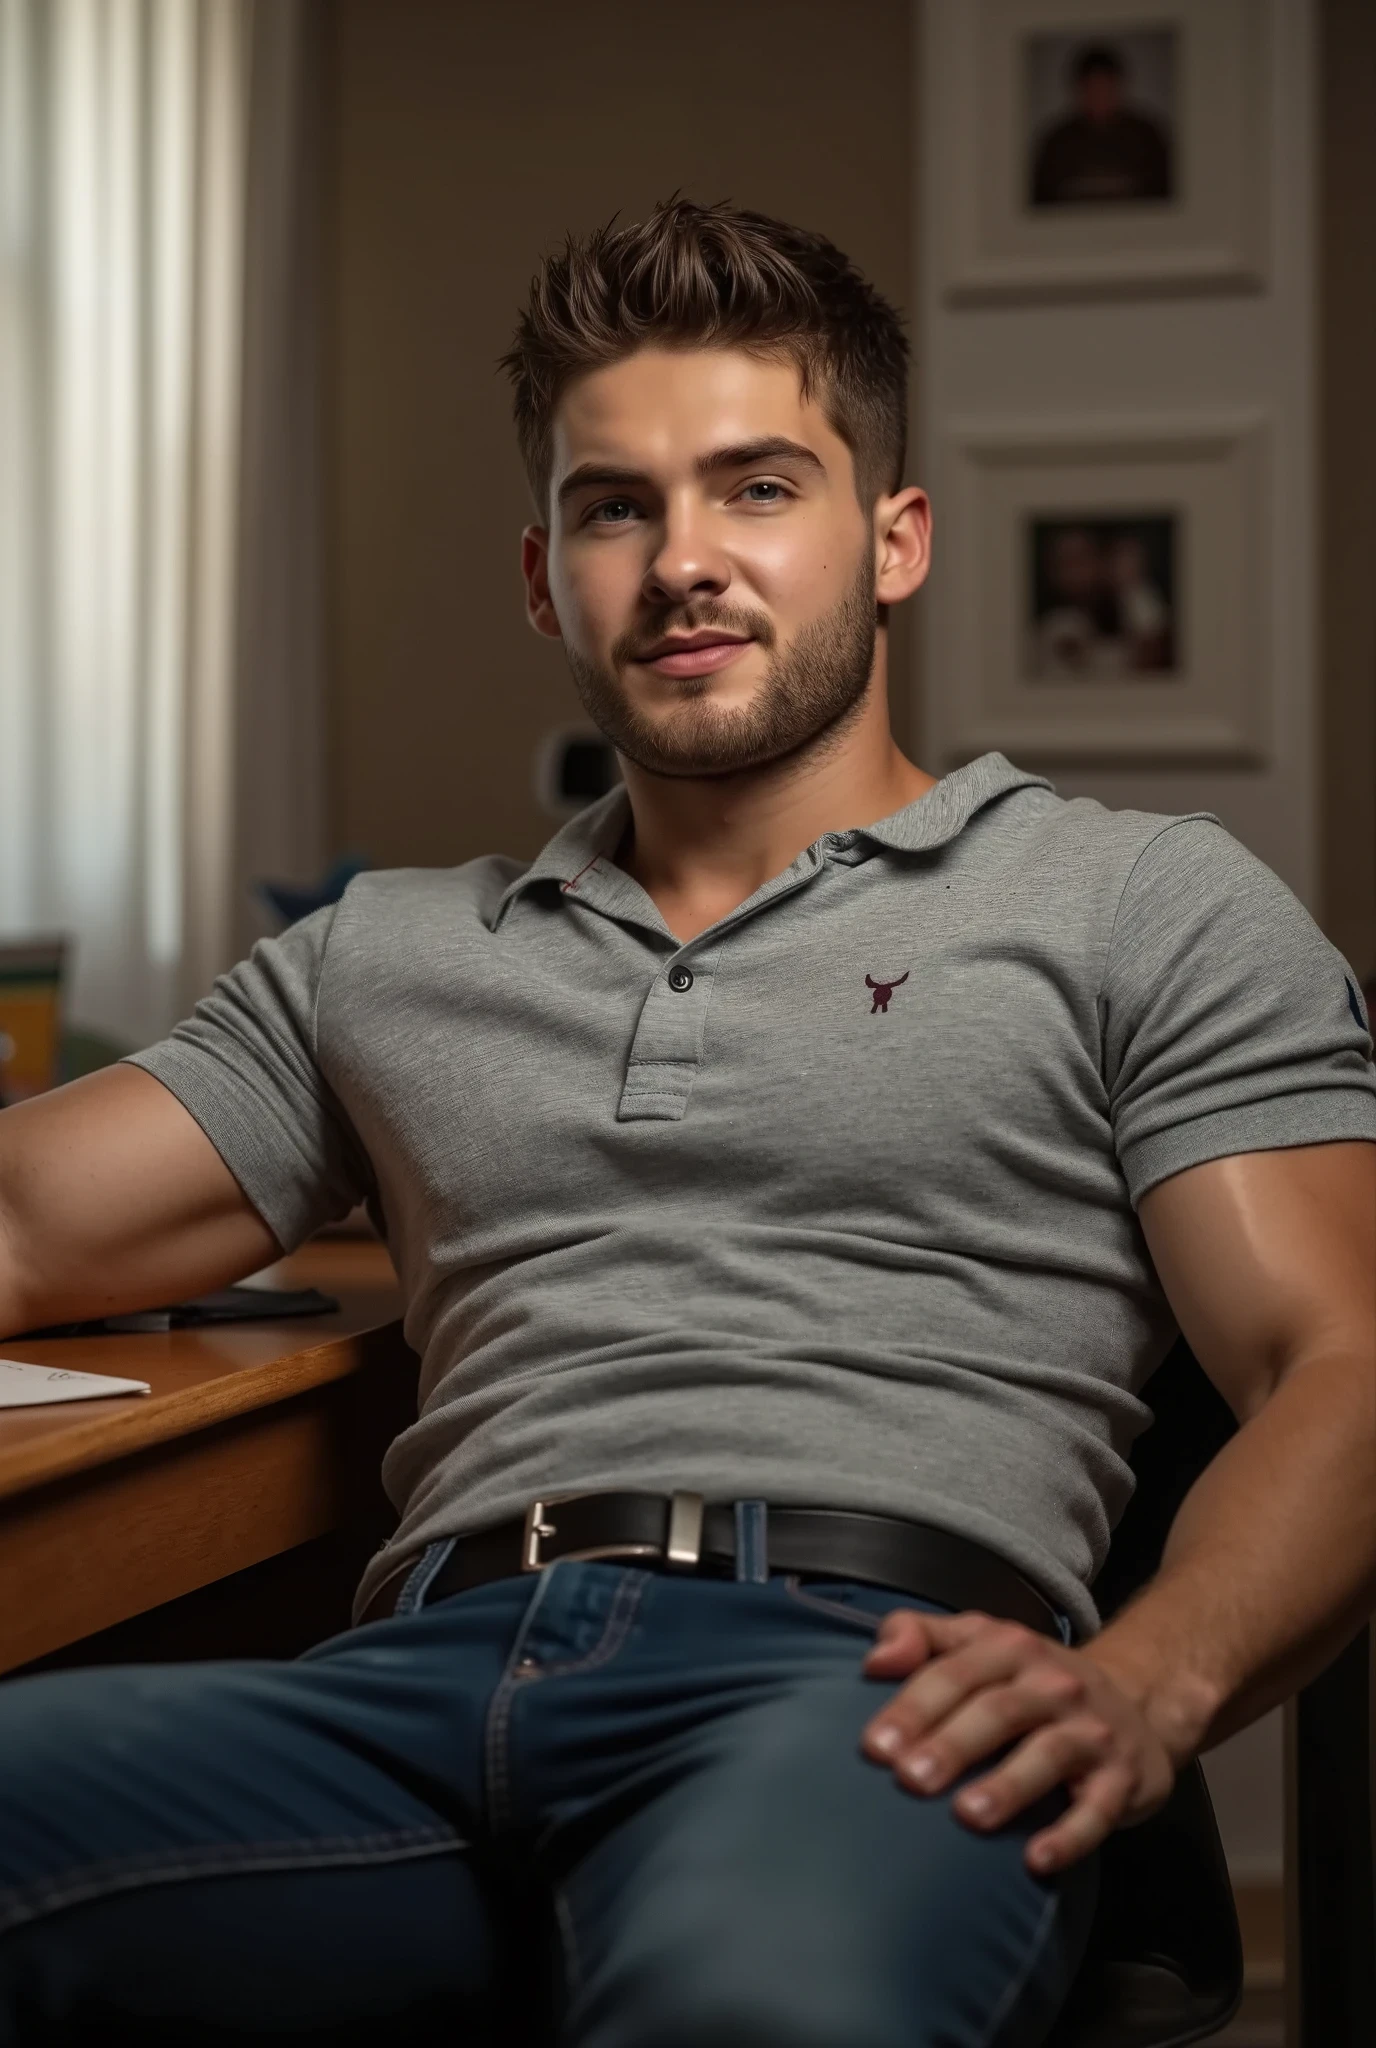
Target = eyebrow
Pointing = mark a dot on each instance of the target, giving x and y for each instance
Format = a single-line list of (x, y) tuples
[(739, 455)]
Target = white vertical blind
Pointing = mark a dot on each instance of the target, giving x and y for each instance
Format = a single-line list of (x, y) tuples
[(126, 133)]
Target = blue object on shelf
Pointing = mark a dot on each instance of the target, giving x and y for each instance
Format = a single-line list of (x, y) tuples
[(291, 901)]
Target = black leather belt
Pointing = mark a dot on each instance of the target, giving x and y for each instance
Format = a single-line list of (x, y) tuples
[(681, 1532)]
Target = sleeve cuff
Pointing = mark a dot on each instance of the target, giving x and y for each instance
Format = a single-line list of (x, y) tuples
[(282, 1198), (1330, 1118)]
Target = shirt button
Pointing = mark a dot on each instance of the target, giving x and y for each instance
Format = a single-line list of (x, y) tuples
[(680, 980)]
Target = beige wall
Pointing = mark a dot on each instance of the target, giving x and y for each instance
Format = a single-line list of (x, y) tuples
[(1347, 468), (463, 140)]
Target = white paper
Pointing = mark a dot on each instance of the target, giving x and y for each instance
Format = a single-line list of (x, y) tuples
[(27, 1386)]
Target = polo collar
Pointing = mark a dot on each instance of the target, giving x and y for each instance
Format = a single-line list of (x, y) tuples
[(593, 835), (927, 822), (944, 811)]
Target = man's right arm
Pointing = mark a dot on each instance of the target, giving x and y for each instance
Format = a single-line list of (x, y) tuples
[(113, 1199)]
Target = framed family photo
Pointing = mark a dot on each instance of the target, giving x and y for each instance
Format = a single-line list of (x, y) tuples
[(1104, 593), (1116, 146)]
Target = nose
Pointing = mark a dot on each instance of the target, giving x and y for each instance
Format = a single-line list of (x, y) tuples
[(687, 563)]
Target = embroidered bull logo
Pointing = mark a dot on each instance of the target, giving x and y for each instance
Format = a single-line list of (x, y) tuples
[(882, 991)]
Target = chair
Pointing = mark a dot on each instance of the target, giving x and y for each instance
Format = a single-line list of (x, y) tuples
[(1331, 1830), (1164, 1962)]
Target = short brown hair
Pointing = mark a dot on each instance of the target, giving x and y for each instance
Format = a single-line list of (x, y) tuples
[(715, 276)]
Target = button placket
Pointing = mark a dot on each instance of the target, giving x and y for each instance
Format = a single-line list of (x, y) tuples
[(667, 1048)]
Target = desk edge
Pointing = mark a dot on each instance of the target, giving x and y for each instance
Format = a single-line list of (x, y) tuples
[(157, 1418)]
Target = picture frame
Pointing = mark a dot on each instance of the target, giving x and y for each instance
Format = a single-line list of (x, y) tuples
[(1148, 538), (1184, 207)]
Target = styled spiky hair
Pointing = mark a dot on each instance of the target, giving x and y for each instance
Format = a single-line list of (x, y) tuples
[(696, 276)]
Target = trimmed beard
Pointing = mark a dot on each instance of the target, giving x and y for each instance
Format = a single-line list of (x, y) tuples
[(811, 691)]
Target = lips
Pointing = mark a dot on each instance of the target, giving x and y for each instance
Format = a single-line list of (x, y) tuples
[(694, 654)]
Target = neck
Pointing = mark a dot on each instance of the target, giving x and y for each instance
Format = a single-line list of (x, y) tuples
[(700, 845)]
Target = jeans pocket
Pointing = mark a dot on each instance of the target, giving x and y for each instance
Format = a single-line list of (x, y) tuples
[(837, 1599), (854, 1601)]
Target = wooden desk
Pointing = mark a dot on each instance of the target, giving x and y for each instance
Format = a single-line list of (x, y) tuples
[(255, 1439)]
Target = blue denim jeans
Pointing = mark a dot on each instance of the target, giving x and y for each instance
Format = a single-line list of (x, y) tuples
[(600, 1806)]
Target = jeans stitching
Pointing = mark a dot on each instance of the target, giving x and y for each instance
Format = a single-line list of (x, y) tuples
[(421, 1577), (497, 1742), (620, 1615), (1014, 1989), (20, 1904), (861, 1618), (495, 1760), (627, 1598), (498, 1757), (857, 1617)]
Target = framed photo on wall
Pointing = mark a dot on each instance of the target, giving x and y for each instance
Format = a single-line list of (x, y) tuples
[(1103, 593), (1100, 147)]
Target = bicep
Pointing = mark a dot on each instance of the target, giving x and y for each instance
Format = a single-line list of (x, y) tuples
[(112, 1198), (1267, 1259)]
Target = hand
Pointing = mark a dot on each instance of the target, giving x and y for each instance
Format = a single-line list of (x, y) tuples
[(980, 1683)]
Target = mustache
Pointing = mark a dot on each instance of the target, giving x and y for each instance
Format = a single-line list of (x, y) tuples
[(702, 617)]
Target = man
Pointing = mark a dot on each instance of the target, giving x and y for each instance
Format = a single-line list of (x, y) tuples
[(1107, 152), (801, 1163)]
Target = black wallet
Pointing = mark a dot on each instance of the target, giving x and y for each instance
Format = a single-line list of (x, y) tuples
[(228, 1305)]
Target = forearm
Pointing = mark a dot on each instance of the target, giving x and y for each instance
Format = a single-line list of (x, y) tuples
[(1270, 1566), (12, 1315)]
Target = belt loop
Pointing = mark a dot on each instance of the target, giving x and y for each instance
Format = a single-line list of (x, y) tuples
[(752, 1541), (422, 1575)]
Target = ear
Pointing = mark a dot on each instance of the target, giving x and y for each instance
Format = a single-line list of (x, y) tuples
[(902, 544), (535, 569)]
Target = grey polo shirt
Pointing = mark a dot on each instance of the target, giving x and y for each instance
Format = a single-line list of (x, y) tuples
[(835, 1204)]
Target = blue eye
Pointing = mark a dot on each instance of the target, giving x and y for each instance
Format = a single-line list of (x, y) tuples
[(612, 511), (764, 484)]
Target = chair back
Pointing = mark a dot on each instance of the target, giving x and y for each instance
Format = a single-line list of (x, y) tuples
[(1164, 1961), (1331, 1852)]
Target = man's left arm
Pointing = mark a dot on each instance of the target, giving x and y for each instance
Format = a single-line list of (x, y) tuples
[(1269, 1262)]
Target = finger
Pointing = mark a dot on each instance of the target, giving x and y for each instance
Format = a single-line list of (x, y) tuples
[(994, 1653), (1060, 1752), (992, 1718), (902, 1644), (947, 1631), (904, 1632), (1089, 1820)]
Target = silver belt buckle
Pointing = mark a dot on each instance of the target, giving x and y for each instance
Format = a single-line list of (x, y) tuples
[(681, 1551)]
